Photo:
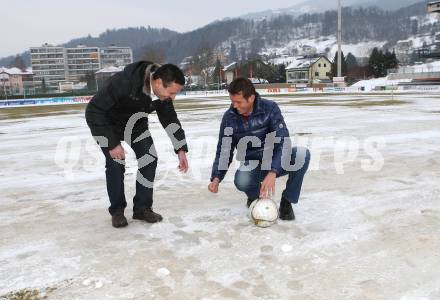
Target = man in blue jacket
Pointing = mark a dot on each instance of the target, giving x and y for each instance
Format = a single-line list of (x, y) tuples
[(256, 127)]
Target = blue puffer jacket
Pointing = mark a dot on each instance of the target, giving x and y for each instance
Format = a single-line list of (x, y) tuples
[(237, 132)]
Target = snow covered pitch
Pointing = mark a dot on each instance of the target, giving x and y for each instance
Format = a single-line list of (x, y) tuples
[(367, 227)]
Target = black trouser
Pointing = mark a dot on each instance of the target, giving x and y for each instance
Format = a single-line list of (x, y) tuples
[(114, 172)]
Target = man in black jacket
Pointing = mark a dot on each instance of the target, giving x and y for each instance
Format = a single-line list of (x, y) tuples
[(119, 112)]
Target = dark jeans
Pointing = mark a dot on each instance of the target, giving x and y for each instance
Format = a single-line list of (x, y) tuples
[(250, 181), (114, 172)]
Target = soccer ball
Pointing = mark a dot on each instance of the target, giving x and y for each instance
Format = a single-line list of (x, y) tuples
[(263, 212)]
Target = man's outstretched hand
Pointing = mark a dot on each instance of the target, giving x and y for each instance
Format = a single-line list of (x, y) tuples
[(183, 162), (213, 186)]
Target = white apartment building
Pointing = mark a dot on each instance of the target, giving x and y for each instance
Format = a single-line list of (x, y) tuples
[(114, 56), (48, 62), (58, 64), (81, 61)]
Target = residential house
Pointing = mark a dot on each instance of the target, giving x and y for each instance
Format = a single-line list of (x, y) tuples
[(14, 81), (309, 70)]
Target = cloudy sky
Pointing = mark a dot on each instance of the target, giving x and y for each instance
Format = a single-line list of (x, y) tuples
[(26, 23)]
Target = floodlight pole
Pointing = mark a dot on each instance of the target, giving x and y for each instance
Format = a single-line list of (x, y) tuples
[(339, 38)]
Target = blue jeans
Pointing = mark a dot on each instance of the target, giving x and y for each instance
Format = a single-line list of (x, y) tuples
[(250, 181)]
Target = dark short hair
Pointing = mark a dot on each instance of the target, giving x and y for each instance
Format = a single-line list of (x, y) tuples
[(169, 73), (243, 85)]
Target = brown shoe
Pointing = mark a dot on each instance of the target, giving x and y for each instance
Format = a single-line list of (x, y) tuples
[(147, 215), (119, 220)]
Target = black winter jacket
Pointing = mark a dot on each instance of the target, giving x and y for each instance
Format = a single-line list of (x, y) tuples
[(110, 109)]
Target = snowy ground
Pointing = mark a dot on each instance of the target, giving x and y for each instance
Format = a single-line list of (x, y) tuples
[(368, 221)]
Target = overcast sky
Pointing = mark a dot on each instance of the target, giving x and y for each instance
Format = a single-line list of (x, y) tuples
[(26, 23)]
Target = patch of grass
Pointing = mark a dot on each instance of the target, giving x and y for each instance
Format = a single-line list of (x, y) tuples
[(25, 294), (8, 113), (39, 111), (377, 103), (364, 94), (349, 103), (30, 294), (194, 108)]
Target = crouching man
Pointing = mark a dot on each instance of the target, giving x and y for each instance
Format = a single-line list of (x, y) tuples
[(255, 126)]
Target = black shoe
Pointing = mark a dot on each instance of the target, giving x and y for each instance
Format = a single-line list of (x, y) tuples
[(286, 210), (119, 220), (249, 202), (147, 215)]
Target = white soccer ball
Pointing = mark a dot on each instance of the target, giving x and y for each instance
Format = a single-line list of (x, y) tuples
[(263, 212)]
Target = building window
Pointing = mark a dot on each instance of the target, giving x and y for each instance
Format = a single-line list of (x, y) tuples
[(325, 65), (316, 74), (319, 65)]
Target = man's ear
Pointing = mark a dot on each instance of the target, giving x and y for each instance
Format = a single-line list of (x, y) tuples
[(251, 98)]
